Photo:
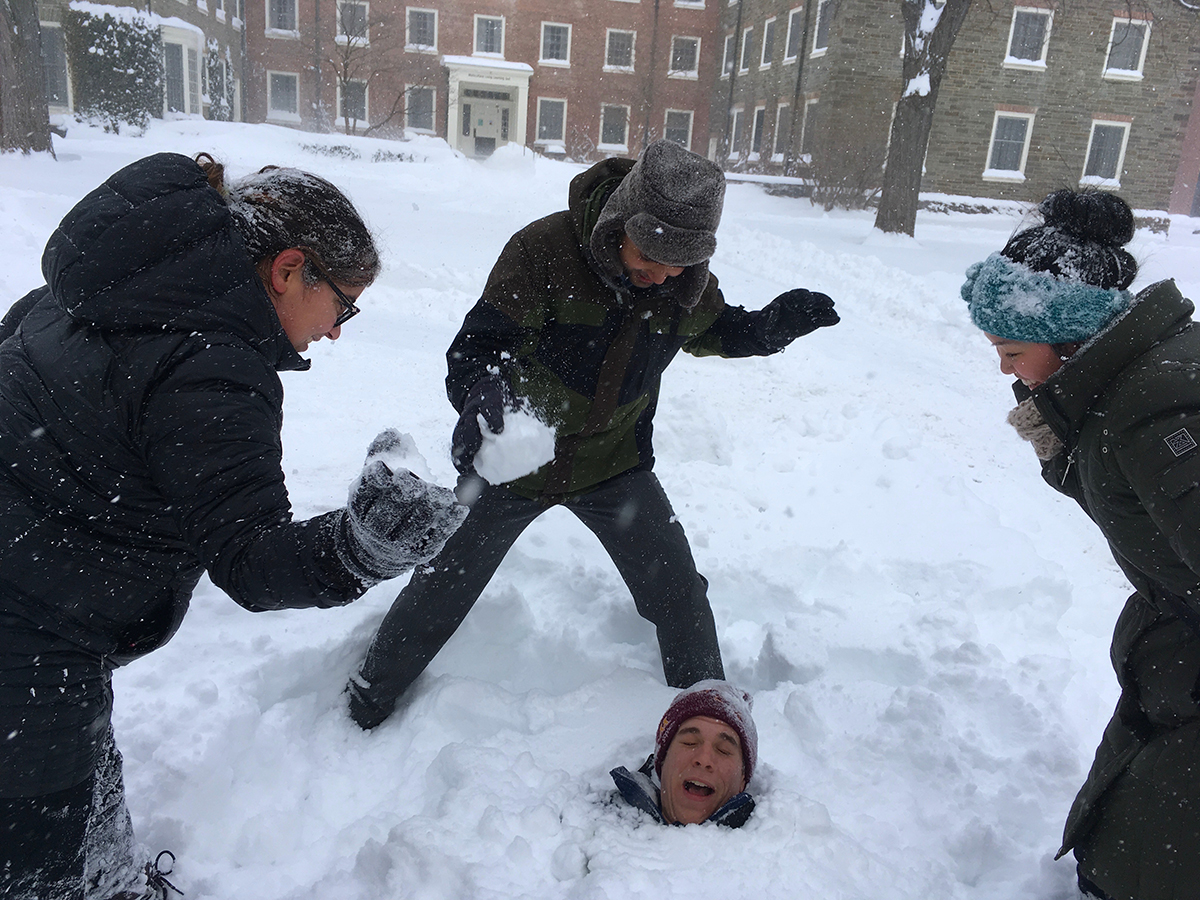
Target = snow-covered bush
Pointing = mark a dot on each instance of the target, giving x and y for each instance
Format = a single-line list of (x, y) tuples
[(116, 64)]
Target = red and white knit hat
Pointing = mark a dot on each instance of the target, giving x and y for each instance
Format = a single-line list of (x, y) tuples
[(718, 700)]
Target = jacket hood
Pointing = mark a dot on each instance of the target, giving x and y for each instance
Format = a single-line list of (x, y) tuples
[(154, 248), (601, 227)]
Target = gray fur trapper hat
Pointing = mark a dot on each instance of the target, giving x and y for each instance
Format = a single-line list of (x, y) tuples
[(669, 204)]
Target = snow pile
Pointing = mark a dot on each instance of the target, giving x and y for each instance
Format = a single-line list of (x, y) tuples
[(524, 446), (924, 625)]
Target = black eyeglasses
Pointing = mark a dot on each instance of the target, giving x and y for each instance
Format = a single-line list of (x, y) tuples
[(349, 310)]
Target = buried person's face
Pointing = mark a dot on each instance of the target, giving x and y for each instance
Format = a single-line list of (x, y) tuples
[(702, 770)]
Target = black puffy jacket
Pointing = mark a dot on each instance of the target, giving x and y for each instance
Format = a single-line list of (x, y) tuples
[(140, 415)]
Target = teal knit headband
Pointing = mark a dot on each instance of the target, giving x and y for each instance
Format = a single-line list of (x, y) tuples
[(1012, 301)]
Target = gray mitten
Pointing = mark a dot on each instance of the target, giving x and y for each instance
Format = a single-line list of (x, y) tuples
[(393, 522)]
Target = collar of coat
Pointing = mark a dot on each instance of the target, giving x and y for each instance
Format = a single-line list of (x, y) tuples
[(1157, 313), (640, 789)]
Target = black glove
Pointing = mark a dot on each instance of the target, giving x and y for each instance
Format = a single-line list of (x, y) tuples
[(393, 522), (489, 398), (799, 312)]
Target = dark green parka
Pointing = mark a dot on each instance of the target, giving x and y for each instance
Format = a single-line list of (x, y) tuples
[(1127, 408), (587, 349)]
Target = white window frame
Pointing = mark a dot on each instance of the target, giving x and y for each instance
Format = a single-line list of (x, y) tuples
[(743, 58), (796, 25), (735, 125), (1039, 64), (544, 60), (409, 46), (70, 104), (778, 152), (285, 33), (1099, 181), (366, 103), (559, 141), (622, 147), (690, 4), (632, 50), (764, 59), (281, 115), (475, 37), (219, 10), (758, 125), (822, 6), (341, 37), (1008, 175), (809, 104), (729, 56), (691, 114), (1127, 74), (409, 88), (689, 74)]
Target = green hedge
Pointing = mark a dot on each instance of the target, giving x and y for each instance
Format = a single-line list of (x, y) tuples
[(116, 67)]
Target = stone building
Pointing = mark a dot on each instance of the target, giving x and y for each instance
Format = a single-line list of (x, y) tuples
[(582, 78), (1036, 96)]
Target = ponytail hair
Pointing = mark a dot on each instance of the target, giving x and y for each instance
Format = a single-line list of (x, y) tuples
[(278, 208)]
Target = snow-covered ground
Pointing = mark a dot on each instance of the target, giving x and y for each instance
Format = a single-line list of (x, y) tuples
[(923, 623)]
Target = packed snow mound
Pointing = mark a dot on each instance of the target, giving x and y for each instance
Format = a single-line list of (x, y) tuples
[(524, 446)]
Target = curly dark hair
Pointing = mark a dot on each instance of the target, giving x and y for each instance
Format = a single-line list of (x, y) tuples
[(1081, 237), (277, 208)]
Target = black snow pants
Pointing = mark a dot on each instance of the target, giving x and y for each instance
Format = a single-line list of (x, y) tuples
[(633, 519)]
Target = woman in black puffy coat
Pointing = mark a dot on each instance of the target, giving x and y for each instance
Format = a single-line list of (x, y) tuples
[(140, 415), (1109, 397)]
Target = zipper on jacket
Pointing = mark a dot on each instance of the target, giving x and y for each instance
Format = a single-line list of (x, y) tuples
[(1070, 462)]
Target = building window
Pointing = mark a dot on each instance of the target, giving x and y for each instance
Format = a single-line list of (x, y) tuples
[(176, 76), (756, 134), (1126, 49), (694, 4), (685, 56), (1009, 146), (281, 16), (1028, 38), (421, 31), (747, 40), (808, 131), (677, 127), (556, 44), (489, 35), (736, 122), (614, 126), (783, 131), (825, 11), (551, 120), (283, 90), (794, 34), (352, 101), (730, 53), (1106, 154), (418, 112), (768, 47), (352, 22), (54, 62), (619, 51)]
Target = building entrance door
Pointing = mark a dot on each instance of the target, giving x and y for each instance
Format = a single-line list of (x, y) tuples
[(486, 117)]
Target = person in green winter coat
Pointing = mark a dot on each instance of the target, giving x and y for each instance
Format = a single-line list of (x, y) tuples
[(1109, 397), (580, 316)]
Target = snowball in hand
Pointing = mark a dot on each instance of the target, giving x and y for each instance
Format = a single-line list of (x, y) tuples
[(525, 445), (398, 451)]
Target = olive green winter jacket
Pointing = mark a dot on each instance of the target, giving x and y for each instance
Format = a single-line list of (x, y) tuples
[(1127, 409)]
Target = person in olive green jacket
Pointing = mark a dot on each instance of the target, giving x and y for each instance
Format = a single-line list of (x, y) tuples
[(581, 314), (1109, 391)]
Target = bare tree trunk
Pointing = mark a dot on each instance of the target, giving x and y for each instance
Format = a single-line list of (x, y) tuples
[(925, 53), (24, 115)]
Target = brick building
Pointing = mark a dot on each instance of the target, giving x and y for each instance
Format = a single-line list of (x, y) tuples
[(1036, 96), (583, 78)]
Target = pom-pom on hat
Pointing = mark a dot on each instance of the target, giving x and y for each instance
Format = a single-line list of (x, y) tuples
[(1014, 302), (718, 700)]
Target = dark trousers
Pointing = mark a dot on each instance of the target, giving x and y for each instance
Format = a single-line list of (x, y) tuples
[(70, 844), (633, 519)]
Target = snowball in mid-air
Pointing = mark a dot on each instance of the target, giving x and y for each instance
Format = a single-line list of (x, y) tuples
[(525, 445)]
